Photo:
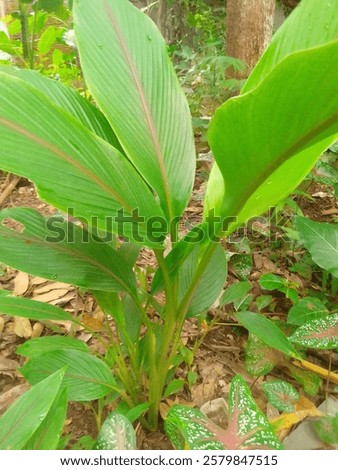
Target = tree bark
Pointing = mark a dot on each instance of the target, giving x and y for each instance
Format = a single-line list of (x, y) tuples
[(249, 26)]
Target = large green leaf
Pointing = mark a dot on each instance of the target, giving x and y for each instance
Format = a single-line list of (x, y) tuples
[(321, 334), (37, 346), (211, 282), (266, 331), (23, 418), (313, 23), (306, 309), (86, 377), (47, 436), (321, 240), (27, 308), (261, 145), (127, 70), (72, 168), (59, 251), (68, 99)]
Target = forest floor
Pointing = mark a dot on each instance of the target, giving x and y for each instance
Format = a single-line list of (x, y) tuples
[(220, 356)]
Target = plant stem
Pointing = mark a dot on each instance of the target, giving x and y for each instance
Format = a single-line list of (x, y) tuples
[(31, 62), (23, 8)]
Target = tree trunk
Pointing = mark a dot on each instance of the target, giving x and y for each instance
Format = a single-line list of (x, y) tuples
[(248, 31)]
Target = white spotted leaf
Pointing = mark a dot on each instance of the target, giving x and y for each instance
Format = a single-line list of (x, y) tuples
[(117, 433), (281, 395), (320, 334)]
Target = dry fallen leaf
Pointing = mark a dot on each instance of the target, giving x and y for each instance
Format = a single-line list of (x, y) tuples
[(51, 296), (94, 324), (22, 327), (2, 324), (37, 330), (21, 283), (7, 398), (8, 366), (51, 286)]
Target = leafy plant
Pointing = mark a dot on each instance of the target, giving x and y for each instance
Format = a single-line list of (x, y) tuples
[(117, 433), (127, 183), (247, 426), (281, 395)]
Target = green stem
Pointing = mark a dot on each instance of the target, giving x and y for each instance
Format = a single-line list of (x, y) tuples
[(31, 62), (23, 8)]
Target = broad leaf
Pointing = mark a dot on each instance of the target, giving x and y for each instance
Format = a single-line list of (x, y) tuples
[(320, 334), (281, 395), (310, 381), (266, 331), (174, 387), (307, 309), (72, 168), (4, 293), (270, 281), (117, 433), (23, 418), (211, 282), (188, 428), (260, 359), (48, 434), (35, 347), (248, 428), (32, 309), (69, 100), (235, 292), (259, 171), (86, 377), (55, 249), (321, 240), (127, 70), (313, 23)]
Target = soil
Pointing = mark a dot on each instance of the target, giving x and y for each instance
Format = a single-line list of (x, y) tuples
[(221, 355)]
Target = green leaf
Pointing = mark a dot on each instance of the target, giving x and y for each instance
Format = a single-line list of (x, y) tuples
[(319, 334), (35, 347), (326, 429), (117, 433), (48, 38), (23, 418), (174, 387), (259, 171), (71, 167), (263, 301), (272, 282), (313, 23), (87, 377), (307, 309), (248, 426), (266, 331), (47, 436), (310, 381), (211, 282), (54, 249), (187, 427), (321, 240), (69, 100), (260, 359), (156, 132), (136, 412), (235, 292), (4, 293), (27, 308), (281, 395)]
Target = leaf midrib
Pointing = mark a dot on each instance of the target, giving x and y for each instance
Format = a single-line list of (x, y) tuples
[(62, 249), (61, 154), (144, 103)]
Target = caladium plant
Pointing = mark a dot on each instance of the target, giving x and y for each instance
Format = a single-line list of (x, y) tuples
[(122, 172), (248, 427)]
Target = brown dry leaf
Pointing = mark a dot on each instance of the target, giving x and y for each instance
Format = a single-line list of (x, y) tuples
[(164, 410), (22, 327), (2, 324), (63, 300), (8, 366), (36, 281), (7, 398), (94, 324), (37, 330), (21, 283), (51, 296), (330, 212), (51, 286), (304, 408)]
